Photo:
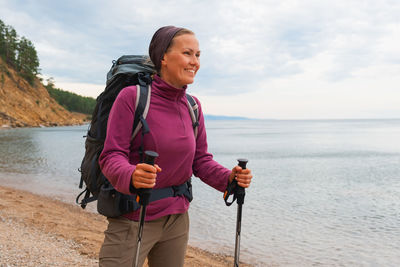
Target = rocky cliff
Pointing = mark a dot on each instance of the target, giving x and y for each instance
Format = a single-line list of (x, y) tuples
[(23, 105)]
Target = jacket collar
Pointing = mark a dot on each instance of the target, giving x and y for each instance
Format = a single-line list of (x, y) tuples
[(163, 89)]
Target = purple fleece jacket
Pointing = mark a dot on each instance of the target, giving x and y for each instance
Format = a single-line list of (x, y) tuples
[(171, 136)]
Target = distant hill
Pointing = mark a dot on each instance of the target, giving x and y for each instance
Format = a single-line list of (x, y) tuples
[(71, 101), (217, 117)]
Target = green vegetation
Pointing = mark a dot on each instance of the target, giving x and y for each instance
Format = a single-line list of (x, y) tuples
[(71, 101), (18, 53)]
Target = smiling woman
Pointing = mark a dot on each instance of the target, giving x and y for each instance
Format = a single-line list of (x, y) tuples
[(175, 54), (181, 61)]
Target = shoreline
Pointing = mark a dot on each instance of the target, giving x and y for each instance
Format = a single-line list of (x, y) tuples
[(8, 127), (37, 230)]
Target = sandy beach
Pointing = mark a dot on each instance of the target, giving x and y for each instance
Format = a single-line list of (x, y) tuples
[(41, 231)]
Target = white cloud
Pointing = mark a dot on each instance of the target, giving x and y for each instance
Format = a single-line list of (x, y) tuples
[(279, 59), (84, 89)]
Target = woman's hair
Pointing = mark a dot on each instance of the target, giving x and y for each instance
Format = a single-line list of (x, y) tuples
[(162, 40), (181, 32)]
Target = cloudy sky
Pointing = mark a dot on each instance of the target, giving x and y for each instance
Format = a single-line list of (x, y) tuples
[(280, 59)]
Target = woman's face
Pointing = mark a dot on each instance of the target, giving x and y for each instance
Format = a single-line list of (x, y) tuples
[(181, 61)]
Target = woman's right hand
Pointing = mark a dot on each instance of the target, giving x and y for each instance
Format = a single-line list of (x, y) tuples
[(145, 175)]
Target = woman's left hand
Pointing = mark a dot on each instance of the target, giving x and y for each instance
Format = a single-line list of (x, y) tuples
[(243, 177)]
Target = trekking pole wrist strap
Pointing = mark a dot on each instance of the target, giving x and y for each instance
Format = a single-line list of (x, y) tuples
[(230, 189), (236, 190)]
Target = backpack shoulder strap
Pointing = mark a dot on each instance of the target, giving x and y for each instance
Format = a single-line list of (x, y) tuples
[(194, 113), (143, 94)]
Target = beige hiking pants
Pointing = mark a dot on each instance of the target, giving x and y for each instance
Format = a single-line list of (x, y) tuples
[(164, 242)]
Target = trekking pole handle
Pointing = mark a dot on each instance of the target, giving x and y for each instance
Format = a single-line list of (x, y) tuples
[(143, 195), (233, 188), (242, 163), (150, 157), (240, 192)]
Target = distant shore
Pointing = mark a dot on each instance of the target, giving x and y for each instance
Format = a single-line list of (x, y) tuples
[(37, 230)]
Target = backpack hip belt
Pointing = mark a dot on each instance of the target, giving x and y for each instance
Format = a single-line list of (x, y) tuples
[(112, 203), (184, 189)]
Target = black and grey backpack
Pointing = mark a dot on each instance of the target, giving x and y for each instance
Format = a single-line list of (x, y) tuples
[(126, 71)]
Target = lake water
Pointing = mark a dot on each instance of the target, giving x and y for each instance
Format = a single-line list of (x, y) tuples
[(325, 193)]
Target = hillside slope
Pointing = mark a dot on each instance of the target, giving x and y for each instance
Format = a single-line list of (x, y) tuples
[(22, 105)]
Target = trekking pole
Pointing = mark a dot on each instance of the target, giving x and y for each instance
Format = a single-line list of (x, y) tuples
[(239, 194), (142, 198)]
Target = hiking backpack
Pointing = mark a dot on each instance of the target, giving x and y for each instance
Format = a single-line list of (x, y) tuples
[(126, 71)]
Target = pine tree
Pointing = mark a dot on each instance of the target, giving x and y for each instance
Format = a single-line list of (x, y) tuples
[(11, 43), (27, 62), (19, 54), (2, 40)]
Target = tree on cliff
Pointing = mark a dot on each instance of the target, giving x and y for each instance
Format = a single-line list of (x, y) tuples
[(27, 62), (20, 54), (8, 43), (2, 40)]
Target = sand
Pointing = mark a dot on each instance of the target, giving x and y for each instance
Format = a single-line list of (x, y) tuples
[(41, 231)]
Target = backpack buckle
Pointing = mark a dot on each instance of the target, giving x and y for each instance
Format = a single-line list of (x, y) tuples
[(177, 190), (144, 78), (183, 190)]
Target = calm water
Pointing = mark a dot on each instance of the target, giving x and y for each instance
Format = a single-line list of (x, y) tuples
[(325, 193)]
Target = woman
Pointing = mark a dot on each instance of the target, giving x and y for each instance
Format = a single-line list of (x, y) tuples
[(175, 54)]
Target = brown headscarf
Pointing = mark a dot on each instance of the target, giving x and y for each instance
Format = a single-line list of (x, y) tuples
[(160, 43)]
